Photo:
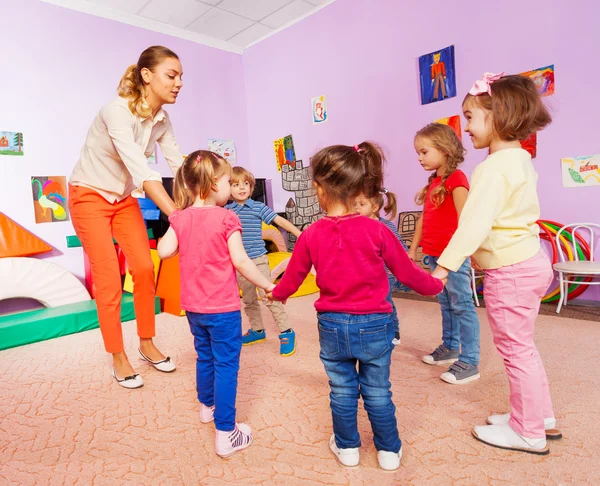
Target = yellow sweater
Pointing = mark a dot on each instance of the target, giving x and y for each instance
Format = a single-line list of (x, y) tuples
[(498, 223)]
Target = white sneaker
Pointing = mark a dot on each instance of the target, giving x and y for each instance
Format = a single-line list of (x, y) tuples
[(133, 381), (346, 457), (227, 443), (389, 461), (207, 414), (504, 437), (552, 433)]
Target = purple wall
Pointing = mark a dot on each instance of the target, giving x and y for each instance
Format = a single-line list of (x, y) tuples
[(363, 55), (60, 67)]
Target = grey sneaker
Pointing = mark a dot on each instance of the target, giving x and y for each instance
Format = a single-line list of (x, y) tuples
[(460, 373), (441, 355)]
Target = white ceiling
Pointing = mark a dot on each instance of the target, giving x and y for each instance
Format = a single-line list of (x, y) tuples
[(231, 25)]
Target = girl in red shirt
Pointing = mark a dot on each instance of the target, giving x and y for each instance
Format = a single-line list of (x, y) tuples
[(440, 152), (208, 239)]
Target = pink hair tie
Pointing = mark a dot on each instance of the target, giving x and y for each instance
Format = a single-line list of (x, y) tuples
[(484, 85), (198, 159), (357, 148)]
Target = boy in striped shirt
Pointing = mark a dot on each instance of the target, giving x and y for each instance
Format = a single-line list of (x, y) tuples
[(252, 214)]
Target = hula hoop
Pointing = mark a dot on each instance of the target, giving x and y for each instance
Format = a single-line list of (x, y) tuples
[(548, 232), (583, 252)]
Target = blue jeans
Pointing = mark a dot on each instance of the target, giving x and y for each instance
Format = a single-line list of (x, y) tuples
[(347, 340), (392, 281), (218, 343), (460, 324)]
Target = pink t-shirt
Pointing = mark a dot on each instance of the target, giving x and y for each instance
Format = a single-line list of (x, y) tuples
[(208, 281), (350, 254)]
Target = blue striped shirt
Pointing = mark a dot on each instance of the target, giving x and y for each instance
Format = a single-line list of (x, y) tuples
[(394, 230), (252, 214)]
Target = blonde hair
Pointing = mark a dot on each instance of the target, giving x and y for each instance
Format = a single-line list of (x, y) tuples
[(197, 177), (444, 139), (344, 171), (131, 85), (239, 174)]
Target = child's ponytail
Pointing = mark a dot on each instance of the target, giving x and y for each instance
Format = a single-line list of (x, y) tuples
[(181, 194), (391, 208)]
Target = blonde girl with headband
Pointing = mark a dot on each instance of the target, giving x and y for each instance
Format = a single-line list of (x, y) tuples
[(349, 252), (371, 208), (498, 227), (208, 238), (112, 168), (440, 152)]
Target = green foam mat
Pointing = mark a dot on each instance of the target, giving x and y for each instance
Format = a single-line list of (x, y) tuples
[(74, 242), (41, 324)]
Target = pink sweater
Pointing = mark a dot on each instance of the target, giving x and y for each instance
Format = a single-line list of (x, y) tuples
[(349, 254)]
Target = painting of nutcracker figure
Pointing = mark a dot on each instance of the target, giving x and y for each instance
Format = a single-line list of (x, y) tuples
[(437, 75)]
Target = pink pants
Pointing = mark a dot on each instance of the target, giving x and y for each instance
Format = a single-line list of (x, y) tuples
[(512, 297)]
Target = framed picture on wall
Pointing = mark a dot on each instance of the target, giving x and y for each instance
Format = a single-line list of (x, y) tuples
[(437, 75)]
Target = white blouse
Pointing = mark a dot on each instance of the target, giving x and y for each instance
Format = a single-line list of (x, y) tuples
[(114, 158)]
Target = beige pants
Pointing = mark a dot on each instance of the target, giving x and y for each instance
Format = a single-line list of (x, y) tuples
[(250, 298)]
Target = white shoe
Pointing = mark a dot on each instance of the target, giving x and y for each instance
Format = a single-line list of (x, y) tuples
[(504, 437), (207, 414), (389, 461), (165, 365), (227, 443), (133, 381), (552, 433), (346, 457)]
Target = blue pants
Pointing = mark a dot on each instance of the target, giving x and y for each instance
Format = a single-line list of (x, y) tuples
[(218, 342), (347, 340), (392, 281), (460, 324)]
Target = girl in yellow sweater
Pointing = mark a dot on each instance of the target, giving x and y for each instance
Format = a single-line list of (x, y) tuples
[(498, 227)]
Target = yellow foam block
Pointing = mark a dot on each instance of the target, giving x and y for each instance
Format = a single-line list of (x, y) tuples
[(278, 262), (128, 285)]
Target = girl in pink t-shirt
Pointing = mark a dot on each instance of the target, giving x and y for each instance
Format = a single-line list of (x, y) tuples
[(209, 241)]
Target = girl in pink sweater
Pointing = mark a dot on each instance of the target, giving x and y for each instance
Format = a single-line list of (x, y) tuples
[(349, 252)]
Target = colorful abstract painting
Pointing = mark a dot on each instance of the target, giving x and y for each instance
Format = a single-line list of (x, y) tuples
[(50, 199), (11, 143), (437, 75), (225, 148), (543, 79), (319, 109), (530, 144), (581, 171), (285, 154), (453, 122)]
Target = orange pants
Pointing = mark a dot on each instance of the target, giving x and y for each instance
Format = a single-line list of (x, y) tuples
[(96, 222)]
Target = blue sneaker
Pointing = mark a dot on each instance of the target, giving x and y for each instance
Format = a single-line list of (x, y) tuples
[(287, 343), (253, 337)]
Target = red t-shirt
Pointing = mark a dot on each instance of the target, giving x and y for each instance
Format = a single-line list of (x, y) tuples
[(208, 281), (440, 223)]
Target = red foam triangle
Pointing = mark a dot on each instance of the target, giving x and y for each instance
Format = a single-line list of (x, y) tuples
[(16, 241)]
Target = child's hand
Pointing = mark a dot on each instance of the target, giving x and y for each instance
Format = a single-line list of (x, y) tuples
[(269, 295), (475, 265), (441, 273), (412, 254)]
